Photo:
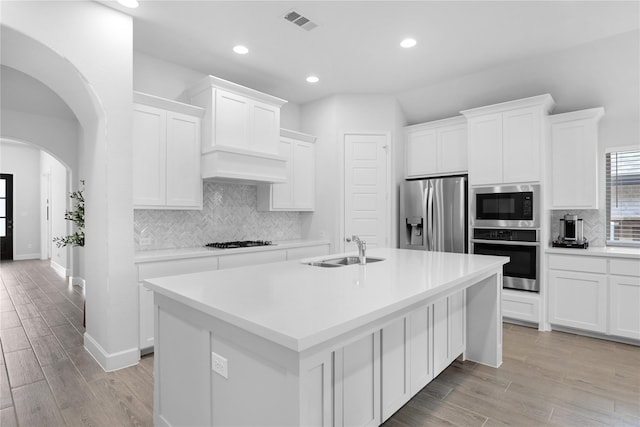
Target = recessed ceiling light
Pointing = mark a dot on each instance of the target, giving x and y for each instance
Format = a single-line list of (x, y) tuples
[(313, 79), (407, 43), (240, 50), (131, 4)]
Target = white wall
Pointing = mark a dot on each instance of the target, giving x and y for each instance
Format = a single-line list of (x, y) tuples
[(23, 162), (83, 51), (327, 119), (168, 80), (56, 174)]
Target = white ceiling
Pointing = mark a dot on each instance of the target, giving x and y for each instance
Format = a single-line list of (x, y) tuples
[(355, 48)]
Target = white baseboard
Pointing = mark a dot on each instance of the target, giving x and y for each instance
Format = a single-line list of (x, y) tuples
[(62, 271), (76, 281), (113, 361), (23, 257)]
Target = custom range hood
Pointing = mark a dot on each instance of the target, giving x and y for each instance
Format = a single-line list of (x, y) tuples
[(240, 132)]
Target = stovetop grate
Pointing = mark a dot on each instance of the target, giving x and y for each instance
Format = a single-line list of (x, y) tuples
[(239, 244)]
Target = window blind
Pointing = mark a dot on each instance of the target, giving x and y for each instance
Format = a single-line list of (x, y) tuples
[(623, 197)]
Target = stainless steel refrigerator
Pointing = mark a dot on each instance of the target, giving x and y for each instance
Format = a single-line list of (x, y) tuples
[(433, 214)]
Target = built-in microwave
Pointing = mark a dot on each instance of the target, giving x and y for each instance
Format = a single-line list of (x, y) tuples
[(506, 206)]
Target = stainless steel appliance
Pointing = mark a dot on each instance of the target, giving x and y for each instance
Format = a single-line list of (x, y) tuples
[(522, 246), (433, 214), (506, 206)]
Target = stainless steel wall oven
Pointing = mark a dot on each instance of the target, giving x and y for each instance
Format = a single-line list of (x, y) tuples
[(521, 246), (506, 222)]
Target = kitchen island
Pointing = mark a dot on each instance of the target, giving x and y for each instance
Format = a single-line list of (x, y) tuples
[(294, 344)]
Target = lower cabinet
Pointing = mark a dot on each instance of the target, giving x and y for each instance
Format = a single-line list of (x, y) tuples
[(578, 300), (417, 347), (595, 294)]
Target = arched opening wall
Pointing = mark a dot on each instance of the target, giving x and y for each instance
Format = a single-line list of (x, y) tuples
[(83, 51)]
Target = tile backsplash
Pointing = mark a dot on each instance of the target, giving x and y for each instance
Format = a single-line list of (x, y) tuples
[(592, 223), (229, 213)]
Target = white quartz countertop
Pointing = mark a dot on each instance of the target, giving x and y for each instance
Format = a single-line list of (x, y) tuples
[(197, 252), (299, 306), (607, 251)]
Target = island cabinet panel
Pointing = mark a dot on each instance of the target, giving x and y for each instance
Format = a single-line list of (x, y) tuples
[(183, 396), (357, 383), (394, 339), (421, 344)]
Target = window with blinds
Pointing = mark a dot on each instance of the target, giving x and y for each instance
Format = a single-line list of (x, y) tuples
[(623, 198)]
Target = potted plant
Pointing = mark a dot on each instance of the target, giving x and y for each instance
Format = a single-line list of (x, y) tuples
[(77, 237)]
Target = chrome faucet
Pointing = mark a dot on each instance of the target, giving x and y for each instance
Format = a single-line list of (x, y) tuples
[(362, 249)]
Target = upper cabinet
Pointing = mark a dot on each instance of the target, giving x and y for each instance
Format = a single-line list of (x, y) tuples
[(297, 193), (240, 132), (506, 141), (574, 159), (166, 154), (436, 148)]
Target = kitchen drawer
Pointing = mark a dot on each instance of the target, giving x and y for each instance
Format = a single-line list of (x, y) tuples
[(239, 260), (307, 252), (149, 270), (624, 267), (585, 264)]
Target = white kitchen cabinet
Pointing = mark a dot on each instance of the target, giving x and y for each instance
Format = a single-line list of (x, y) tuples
[(417, 347), (166, 154), (436, 148), (624, 298), (240, 131), (395, 353), (357, 383), (574, 159), (297, 193), (506, 141), (578, 300), (522, 306)]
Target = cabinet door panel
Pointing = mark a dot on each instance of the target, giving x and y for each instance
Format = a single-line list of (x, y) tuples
[(485, 149), (149, 156), (304, 173), (421, 155), (254, 258), (452, 149), (578, 300), (265, 128), (231, 120), (420, 354), (184, 183), (440, 336), (395, 367), (282, 193), (624, 306), (457, 341), (146, 317), (521, 145), (357, 382)]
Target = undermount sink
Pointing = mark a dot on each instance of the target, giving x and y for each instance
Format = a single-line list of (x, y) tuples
[(342, 261)]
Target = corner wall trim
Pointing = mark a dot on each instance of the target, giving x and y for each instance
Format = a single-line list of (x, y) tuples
[(113, 361)]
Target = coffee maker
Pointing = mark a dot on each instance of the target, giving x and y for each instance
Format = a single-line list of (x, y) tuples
[(571, 233)]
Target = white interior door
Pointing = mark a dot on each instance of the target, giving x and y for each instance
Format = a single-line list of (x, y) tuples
[(366, 188)]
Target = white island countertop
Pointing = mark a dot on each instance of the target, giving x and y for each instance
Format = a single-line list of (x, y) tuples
[(299, 306)]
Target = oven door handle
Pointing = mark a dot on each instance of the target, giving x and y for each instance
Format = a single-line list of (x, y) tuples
[(506, 242)]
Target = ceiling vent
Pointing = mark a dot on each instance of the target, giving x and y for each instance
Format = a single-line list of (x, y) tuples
[(299, 20)]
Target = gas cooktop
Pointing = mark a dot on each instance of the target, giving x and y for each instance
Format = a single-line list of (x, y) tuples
[(239, 244)]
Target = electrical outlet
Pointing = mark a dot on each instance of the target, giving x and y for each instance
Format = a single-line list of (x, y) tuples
[(145, 241), (219, 365)]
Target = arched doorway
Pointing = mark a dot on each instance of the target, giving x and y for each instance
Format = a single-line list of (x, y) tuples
[(94, 80)]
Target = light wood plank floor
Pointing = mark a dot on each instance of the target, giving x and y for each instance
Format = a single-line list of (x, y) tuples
[(553, 378)]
